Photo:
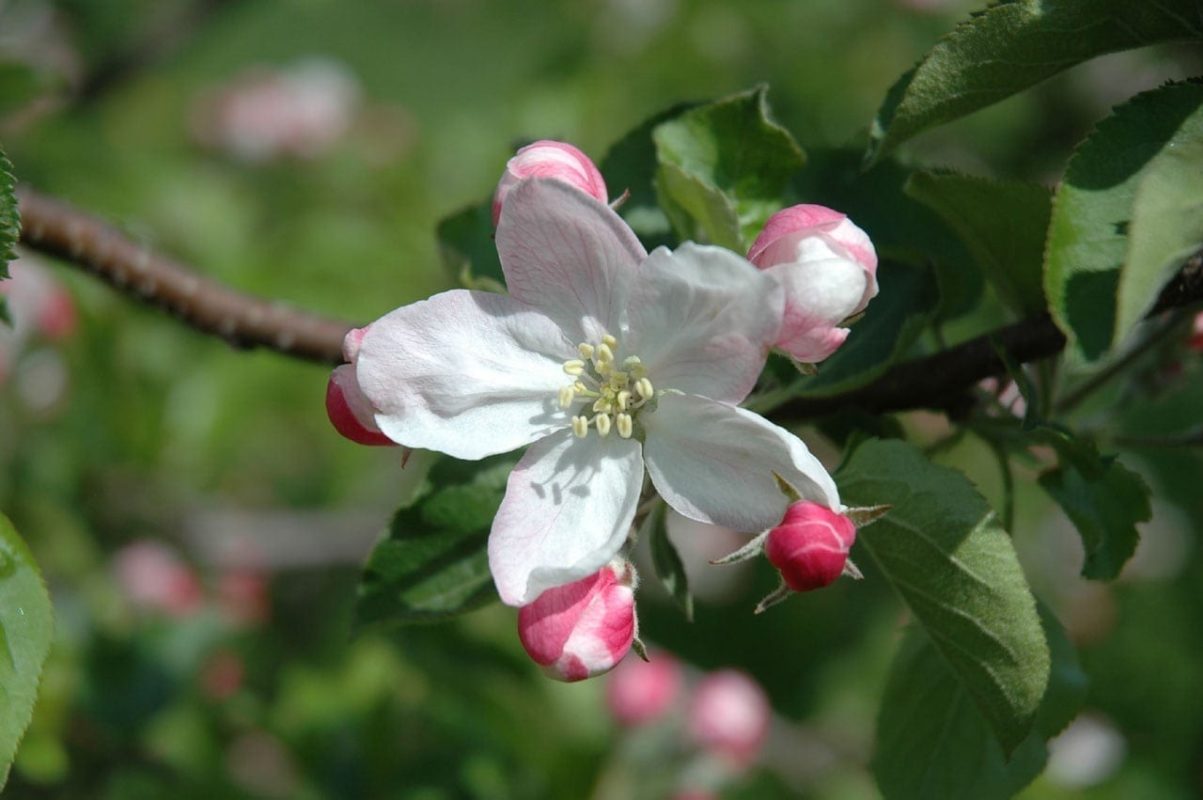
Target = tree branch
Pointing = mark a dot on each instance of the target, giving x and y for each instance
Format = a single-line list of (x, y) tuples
[(941, 381), (55, 228)]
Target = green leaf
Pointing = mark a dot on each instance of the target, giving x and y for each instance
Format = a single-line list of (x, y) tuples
[(1103, 498), (1166, 229), (902, 228), (1093, 208), (432, 563), (26, 632), (10, 223), (630, 166), (943, 550), (933, 742), (903, 308), (666, 561), (1013, 45), (468, 248), (1003, 223), (724, 168)]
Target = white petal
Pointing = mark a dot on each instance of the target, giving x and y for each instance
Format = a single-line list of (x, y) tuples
[(567, 510), (568, 255), (702, 319), (714, 463), (469, 374)]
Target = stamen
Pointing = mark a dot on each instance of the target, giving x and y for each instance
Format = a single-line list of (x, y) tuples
[(567, 395), (630, 362), (609, 341), (625, 425), (603, 425), (574, 366), (645, 388), (605, 355), (624, 400), (580, 427), (585, 349)]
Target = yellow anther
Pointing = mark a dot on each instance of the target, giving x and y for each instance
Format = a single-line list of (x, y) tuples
[(603, 404), (580, 427), (624, 400), (624, 424), (579, 387), (603, 425), (567, 395), (630, 362), (645, 388), (609, 341), (574, 366), (585, 349), (605, 355)]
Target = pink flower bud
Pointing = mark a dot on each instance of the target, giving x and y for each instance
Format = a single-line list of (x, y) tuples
[(828, 269), (639, 692), (583, 628), (810, 546), (154, 578), (730, 715), (349, 409), (549, 159)]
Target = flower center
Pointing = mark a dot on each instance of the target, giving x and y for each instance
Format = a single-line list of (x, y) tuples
[(617, 390)]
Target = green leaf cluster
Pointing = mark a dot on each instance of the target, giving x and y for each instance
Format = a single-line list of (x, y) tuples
[(432, 562)]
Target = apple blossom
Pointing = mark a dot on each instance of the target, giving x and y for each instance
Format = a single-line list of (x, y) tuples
[(551, 160), (828, 269), (639, 692), (602, 358), (810, 546), (39, 307), (729, 715), (583, 628)]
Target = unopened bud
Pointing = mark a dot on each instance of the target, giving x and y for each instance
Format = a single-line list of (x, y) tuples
[(349, 409), (584, 628), (730, 715), (551, 160), (810, 546), (827, 267)]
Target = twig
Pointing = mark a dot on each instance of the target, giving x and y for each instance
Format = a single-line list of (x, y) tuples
[(941, 381), (55, 228)]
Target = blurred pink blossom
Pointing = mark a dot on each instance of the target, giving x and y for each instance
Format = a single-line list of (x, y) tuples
[(155, 578), (266, 114), (729, 716), (39, 307), (639, 692), (242, 597)]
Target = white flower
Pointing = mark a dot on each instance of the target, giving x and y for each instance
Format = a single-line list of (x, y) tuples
[(602, 358)]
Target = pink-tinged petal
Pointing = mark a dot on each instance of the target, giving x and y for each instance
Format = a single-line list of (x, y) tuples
[(567, 510), (702, 319), (715, 463), (730, 715), (568, 255), (583, 628), (349, 410), (551, 160), (819, 295), (810, 546), (640, 692), (469, 374)]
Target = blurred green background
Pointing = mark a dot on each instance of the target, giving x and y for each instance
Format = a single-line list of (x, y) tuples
[(133, 427)]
